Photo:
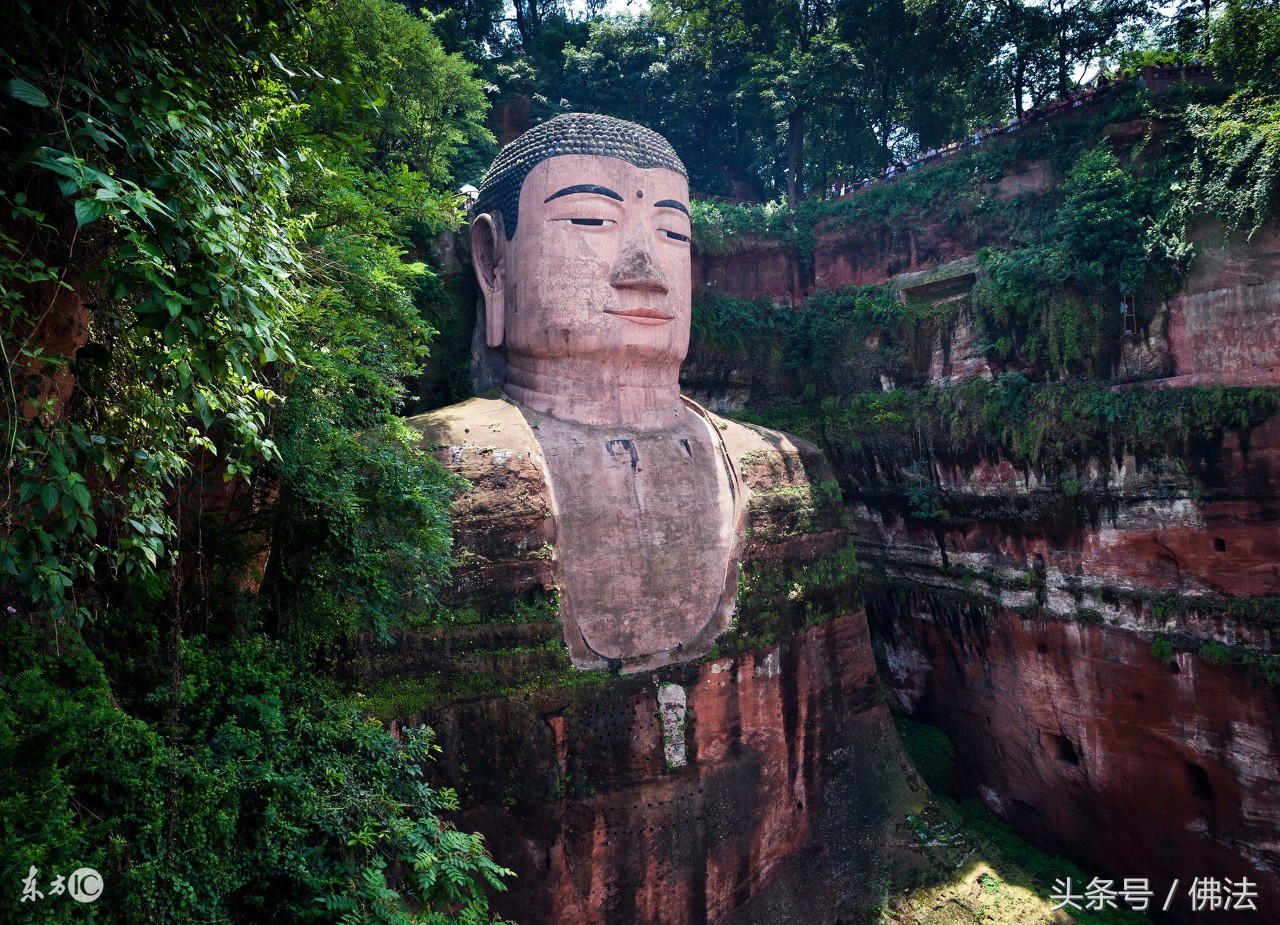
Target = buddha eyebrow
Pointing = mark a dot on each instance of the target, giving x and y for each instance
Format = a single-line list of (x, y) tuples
[(672, 204), (584, 188)]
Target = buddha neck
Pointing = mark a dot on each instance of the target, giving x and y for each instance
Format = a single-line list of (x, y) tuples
[(587, 391)]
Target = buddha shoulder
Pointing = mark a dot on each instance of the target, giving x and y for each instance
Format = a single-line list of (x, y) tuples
[(793, 500), (790, 491), (502, 516), (488, 442), (479, 427)]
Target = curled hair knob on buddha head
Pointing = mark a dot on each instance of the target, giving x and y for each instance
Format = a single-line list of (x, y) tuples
[(572, 133)]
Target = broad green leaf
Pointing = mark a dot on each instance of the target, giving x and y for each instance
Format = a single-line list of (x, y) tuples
[(81, 495), (87, 210), (27, 92)]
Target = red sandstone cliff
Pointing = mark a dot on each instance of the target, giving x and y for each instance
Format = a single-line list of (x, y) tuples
[(1029, 640), (733, 789), (572, 788), (1090, 747)]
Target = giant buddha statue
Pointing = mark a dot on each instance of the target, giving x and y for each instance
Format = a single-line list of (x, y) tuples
[(591, 473)]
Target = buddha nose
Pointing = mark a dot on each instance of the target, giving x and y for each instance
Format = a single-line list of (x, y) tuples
[(635, 268)]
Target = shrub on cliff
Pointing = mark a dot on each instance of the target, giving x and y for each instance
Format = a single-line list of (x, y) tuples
[(270, 799), (1236, 172), (219, 199)]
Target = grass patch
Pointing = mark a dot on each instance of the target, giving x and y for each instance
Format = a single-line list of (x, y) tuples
[(979, 866)]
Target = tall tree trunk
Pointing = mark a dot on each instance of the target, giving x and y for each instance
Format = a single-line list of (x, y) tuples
[(795, 156), (528, 19), (1019, 82), (1063, 50), (886, 97)]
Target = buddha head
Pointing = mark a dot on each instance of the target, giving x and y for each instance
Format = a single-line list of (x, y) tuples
[(580, 241)]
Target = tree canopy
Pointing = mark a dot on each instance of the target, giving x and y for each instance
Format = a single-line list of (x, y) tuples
[(780, 99), (219, 265)]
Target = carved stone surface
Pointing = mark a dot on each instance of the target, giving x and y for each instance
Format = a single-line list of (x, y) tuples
[(581, 247), (653, 589), (759, 789), (758, 786), (642, 580), (1223, 325)]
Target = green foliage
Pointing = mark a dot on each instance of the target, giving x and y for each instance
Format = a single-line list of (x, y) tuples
[(1236, 176), (777, 100), (1043, 867), (541, 606), (362, 531), (1267, 665), (735, 323), (930, 751), (932, 754), (1047, 309), (361, 526), (211, 295), (778, 599), (720, 228), (1249, 611), (1041, 304), (924, 497), (1053, 301), (507, 673), (226, 197), (180, 239), (1100, 223), (271, 799), (1245, 41), (1215, 653), (395, 104), (1050, 428), (821, 349)]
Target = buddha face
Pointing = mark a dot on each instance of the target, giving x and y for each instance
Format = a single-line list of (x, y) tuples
[(598, 266)]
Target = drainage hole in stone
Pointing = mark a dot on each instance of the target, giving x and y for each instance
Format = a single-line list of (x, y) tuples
[(1198, 782)]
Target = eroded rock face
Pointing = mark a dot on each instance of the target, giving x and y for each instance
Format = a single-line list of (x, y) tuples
[(777, 804), (1022, 623), (1091, 747), (862, 254), (1038, 662), (772, 270), (1135, 529), (1027, 634), (1223, 325), (763, 785)]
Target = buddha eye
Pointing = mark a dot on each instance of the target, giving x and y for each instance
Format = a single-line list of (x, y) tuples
[(589, 222), (675, 235)]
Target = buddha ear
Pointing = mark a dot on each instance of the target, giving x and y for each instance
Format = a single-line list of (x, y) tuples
[(487, 252)]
